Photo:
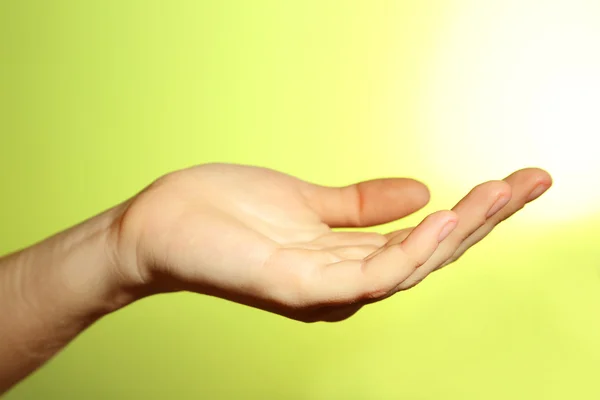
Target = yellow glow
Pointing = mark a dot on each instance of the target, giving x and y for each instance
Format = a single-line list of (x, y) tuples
[(519, 85)]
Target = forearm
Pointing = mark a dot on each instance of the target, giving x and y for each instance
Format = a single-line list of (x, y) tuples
[(52, 291)]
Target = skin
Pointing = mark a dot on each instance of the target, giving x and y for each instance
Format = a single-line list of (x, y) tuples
[(246, 234)]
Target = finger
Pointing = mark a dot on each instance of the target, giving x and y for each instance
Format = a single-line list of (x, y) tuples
[(373, 277), (367, 203), (526, 185), (473, 210)]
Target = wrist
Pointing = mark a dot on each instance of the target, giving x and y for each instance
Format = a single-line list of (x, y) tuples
[(73, 275), (92, 269), (52, 291)]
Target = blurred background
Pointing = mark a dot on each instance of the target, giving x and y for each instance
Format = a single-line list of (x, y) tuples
[(97, 99)]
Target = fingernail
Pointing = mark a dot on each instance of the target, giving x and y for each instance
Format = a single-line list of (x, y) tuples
[(449, 227), (501, 202), (537, 192)]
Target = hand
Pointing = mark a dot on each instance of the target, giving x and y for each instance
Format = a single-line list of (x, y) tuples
[(264, 238)]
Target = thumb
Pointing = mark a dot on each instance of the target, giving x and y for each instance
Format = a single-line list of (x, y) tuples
[(367, 203)]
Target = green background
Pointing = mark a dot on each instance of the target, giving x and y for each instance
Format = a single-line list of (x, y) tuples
[(97, 99)]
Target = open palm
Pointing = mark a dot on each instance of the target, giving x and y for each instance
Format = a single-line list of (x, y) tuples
[(264, 238)]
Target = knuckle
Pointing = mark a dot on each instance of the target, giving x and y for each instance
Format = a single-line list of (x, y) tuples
[(491, 188), (416, 261), (480, 188), (480, 221), (375, 294), (400, 252), (415, 282), (379, 291), (452, 259)]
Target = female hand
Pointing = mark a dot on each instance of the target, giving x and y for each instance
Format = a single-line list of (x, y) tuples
[(265, 239)]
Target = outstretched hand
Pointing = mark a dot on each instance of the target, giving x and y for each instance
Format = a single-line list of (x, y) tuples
[(265, 239)]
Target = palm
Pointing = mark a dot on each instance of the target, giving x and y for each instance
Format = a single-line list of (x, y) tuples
[(264, 238)]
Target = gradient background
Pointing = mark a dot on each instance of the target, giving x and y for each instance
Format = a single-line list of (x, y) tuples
[(97, 99)]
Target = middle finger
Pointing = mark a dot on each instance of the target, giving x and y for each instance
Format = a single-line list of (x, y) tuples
[(473, 211)]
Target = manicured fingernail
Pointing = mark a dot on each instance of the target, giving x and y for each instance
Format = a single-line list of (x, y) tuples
[(449, 227), (537, 192), (501, 202)]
